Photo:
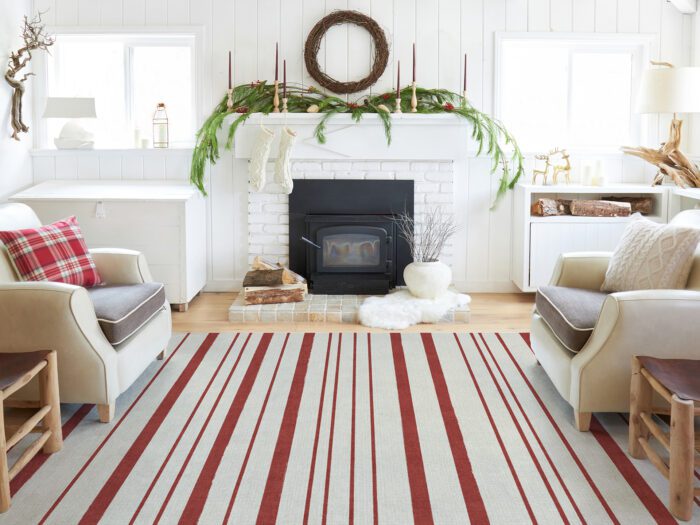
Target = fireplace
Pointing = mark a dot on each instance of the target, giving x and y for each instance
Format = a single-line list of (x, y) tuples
[(342, 237)]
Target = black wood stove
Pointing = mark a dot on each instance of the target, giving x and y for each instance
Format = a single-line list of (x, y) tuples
[(342, 236)]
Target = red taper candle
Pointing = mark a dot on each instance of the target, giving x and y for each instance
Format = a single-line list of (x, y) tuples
[(284, 78), (465, 72), (414, 61), (398, 79), (277, 61), (229, 70)]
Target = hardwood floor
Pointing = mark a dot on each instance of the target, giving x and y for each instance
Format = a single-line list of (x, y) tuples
[(509, 312)]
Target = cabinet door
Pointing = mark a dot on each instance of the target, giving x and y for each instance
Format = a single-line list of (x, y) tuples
[(548, 241)]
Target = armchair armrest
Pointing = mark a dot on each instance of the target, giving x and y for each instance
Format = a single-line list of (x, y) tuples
[(61, 317), (119, 266), (659, 323), (581, 270)]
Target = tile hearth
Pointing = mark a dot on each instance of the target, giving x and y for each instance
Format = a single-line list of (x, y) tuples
[(317, 308)]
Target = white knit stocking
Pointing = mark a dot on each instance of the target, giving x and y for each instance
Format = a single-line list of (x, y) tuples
[(283, 171), (258, 159)]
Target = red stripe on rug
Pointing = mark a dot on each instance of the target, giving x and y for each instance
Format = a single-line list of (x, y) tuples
[(331, 434), (251, 441), (111, 432), (623, 464), (115, 481), (182, 432), (269, 506), (526, 338), (180, 472), (420, 498), (37, 461), (467, 481), (559, 432), (523, 438), (375, 511), (351, 502), (513, 472), (533, 431), (200, 491), (312, 468)]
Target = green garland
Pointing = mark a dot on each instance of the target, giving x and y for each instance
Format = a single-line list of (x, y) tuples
[(490, 135)]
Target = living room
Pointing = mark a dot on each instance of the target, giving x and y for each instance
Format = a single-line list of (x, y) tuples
[(349, 261)]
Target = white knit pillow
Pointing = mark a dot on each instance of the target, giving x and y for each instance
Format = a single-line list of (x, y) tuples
[(651, 256)]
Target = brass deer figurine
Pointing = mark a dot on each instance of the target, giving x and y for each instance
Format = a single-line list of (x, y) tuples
[(564, 168)]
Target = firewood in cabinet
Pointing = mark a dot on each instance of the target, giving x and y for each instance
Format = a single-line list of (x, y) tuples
[(548, 207), (600, 208), (643, 205)]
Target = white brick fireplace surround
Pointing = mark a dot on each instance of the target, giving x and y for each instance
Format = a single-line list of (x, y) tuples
[(268, 219), (433, 150)]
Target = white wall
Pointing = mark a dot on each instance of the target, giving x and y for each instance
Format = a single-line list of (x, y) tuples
[(442, 29), (15, 162)]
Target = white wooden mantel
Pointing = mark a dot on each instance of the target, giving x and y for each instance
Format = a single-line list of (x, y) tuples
[(440, 137), (414, 137)]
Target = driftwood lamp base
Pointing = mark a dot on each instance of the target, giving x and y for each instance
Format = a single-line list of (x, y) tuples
[(670, 160)]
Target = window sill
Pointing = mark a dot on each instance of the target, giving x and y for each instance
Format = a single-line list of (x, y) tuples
[(109, 151)]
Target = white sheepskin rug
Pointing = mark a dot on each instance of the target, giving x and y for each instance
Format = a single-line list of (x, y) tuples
[(401, 309)]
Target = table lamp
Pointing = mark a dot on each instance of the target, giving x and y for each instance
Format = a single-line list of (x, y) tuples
[(668, 89), (73, 135)]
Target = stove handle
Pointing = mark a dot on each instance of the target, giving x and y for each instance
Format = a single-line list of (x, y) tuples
[(307, 241)]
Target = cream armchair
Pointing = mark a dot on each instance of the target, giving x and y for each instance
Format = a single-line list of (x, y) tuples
[(45, 315), (659, 323)]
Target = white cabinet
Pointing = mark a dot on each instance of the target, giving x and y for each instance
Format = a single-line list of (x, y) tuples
[(538, 241), (164, 221)]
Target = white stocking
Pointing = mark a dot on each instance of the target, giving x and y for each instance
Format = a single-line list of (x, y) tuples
[(258, 159), (283, 171)]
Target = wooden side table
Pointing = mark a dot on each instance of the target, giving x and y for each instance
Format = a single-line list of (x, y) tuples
[(16, 370), (678, 382)]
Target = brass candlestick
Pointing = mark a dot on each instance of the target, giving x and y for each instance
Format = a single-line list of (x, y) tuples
[(229, 101), (398, 105), (414, 99), (276, 99), (284, 104)]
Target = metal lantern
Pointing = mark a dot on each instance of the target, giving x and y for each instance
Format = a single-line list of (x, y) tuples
[(160, 127)]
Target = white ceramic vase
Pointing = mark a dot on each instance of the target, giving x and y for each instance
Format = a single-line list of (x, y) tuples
[(427, 280)]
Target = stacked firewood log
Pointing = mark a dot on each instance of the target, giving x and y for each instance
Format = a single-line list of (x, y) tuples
[(270, 283), (606, 207)]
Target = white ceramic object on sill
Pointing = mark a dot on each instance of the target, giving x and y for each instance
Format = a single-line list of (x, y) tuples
[(427, 280)]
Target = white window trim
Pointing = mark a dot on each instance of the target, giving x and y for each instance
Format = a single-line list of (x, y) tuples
[(639, 43), (152, 36)]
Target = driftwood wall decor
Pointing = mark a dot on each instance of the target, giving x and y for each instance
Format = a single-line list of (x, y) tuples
[(35, 38)]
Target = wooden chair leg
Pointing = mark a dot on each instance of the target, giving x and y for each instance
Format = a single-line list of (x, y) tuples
[(640, 401), (48, 394), (681, 468), (5, 500), (106, 412), (583, 421)]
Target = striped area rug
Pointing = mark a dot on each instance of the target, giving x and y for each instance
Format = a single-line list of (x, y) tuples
[(341, 428)]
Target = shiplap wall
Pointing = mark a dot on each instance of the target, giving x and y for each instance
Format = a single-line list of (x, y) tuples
[(442, 29)]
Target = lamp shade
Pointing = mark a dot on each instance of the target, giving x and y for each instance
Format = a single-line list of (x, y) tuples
[(670, 90), (69, 107)]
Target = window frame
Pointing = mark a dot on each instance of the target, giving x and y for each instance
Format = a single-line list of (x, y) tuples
[(639, 44), (140, 36)]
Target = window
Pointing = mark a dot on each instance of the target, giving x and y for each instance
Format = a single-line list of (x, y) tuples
[(573, 91), (128, 75)]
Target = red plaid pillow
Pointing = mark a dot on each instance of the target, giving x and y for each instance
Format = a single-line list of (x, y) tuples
[(55, 252)]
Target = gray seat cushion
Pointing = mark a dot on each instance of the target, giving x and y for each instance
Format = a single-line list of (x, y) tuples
[(122, 309), (571, 313)]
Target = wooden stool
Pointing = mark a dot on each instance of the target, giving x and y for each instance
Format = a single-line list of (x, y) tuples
[(16, 370), (678, 382)]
